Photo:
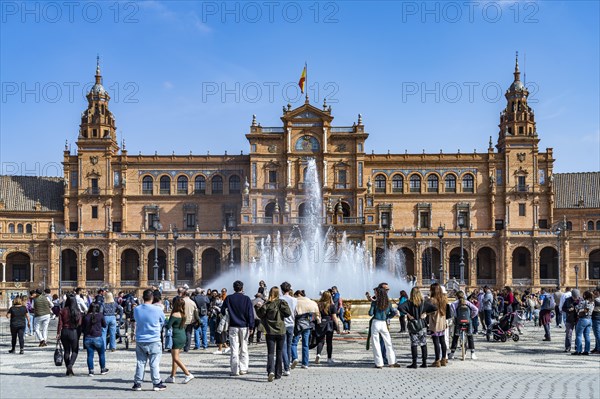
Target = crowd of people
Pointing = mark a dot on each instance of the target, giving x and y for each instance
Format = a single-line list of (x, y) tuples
[(285, 318)]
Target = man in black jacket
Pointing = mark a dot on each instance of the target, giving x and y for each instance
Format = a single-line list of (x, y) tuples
[(241, 320), (568, 308), (203, 303)]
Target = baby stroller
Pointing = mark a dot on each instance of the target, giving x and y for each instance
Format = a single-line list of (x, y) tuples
[(506, 327)]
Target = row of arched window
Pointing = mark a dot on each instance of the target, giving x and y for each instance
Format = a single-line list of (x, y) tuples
[(432, 183), (182, 187), (590, 225), (20, 228)]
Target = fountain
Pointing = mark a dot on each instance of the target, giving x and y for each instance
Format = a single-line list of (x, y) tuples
[(313, 259)]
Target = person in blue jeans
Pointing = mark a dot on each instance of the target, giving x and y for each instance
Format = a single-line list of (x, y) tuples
[(584, 311), (149, 321), (306, 310), (110, 310), (289, 322), (203, 304), (92, 325), (596, 320)]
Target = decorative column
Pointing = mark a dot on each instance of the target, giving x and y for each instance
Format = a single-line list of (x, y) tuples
[(197, 263), (170, 262), (535, 265), (289, 173), (472, 265), (4, 272), (143, 276), (81, 260), (418, 264), (113, 271)]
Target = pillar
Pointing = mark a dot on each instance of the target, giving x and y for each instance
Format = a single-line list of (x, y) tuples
[(81, 261), (143, 276), (197, 263), (535, 265), (418, 264)]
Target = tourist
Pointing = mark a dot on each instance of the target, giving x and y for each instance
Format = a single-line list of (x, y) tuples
[(177, 323), (487, 303), (568, 309), (509, 299), (31, 311), (463, 310), (92, 326), (437, 324), (307, 310), (416, 309), (546, 313), (213, 315), (42, 308), (324, 330), (402, 315), (557, 309), (286, 290), (200, 334), (191, 318), (337, 301), (69, 327), (19, 320), (347, 321), (273, 314), (563, 298), (150, 321), (110, 310), (475, 320), (584, 311), (220, 334), (258, 328), (241, 320), (596, 320), (381, 310)]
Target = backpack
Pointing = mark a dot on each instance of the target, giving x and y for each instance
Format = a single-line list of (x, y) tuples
[(463, 314)]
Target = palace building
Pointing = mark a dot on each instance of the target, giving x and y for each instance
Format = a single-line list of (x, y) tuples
[(522, 224)]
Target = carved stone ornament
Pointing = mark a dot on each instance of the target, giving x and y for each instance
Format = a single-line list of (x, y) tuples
[(521, 156), (94, 160), (272, 148)]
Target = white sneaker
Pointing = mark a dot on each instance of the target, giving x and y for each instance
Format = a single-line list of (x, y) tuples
[(243, 372), (317, 359), (226, 350), (294, 364), (188, 378), (304, 366), (330, 361), (271, 377), (169, 380), (285, 373), (217, 352), (473, 356)]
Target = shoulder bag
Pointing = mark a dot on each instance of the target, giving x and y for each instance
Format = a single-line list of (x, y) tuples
[(58, 353)]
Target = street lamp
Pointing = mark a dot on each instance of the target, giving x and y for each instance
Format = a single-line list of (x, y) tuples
[(441, 235), (156, 226), (230, 227), (385, 225), (175, 268), (559, 229), (61, 235), (577, 276), (461, 225)]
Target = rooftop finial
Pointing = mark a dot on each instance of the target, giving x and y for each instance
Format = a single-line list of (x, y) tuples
[(253, 120), (98, 75), (517, 61)]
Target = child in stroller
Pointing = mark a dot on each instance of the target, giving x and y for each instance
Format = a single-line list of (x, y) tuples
[(506, 327)]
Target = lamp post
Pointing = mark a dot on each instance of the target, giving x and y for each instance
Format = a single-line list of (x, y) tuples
[(441, 235), (230, 227), (461, 225), (559, 229), (385, 225), (156, 226), (577, 276), (61, 235), (175, 267)]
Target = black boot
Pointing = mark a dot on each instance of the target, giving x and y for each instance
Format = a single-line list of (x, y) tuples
[(424, 356), (413, 352)]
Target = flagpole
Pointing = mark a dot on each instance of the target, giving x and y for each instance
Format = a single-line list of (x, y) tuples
[(306, 80)]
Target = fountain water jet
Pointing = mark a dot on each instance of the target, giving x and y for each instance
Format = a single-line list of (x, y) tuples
[(314, 260)]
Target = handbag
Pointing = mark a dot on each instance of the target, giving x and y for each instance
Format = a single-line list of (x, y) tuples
[(58, 353), (415, 325), (223, 323)]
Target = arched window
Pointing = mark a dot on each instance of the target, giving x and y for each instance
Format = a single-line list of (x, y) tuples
[(217, 185), (380, 182), (11, 228), (234, 184), (147, 183), (598, 225), (165, 185), (397, 184), (569, 226), (590, 225), (28, 228), (20, 228), (468, 183), (450, 183), (415, 184), (432, 184), (200, 185), (182, 185), (307, 143)]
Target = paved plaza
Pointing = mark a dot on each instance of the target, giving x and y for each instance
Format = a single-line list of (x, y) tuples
[(529, 368)]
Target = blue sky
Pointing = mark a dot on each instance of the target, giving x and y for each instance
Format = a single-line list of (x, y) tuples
[(187, 76)]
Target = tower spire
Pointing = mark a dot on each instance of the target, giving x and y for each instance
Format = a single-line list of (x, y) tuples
[(517, 73), (98, 75)]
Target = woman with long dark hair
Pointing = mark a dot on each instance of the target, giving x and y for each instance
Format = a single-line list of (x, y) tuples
[(177, 323), (381, 310), (416, 309), (69, 320), (92, 326), (437, 324), (402, 315), (272, 314)]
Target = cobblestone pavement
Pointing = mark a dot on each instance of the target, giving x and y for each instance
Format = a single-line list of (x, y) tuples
[(529, 368)]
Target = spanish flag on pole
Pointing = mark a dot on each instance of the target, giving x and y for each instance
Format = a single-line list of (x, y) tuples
[(302, 80)]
